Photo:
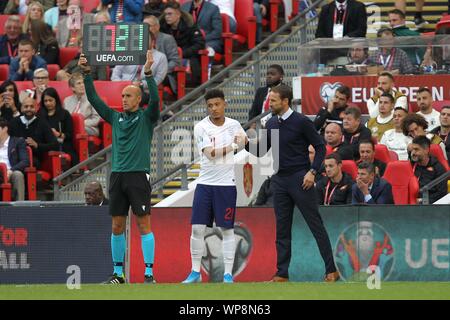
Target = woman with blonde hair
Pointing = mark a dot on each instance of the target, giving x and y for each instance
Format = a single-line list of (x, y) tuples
[(35, 11)]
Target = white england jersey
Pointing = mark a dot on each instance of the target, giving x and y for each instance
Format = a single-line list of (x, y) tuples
[(218, 172)]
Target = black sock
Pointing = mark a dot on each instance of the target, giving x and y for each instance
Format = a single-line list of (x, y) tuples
[(418, 15)]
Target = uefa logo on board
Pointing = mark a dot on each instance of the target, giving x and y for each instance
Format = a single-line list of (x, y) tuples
[(361, 245), (327, 90)]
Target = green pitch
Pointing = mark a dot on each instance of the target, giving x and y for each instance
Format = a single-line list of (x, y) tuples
[(237, 291)]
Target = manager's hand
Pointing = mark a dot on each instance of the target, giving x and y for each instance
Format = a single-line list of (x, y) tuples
[(83, 64), (308, 181)]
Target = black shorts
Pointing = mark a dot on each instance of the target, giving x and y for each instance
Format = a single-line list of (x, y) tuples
[(129, 188)]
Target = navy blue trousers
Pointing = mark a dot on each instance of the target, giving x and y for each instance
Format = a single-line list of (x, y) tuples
[(288, 192)]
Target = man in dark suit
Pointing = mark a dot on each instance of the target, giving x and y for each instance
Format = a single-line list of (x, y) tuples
[(294, 179), (207, 16), (342, 18), (261, 103), (13, 153), (370, 189), (93, 194)]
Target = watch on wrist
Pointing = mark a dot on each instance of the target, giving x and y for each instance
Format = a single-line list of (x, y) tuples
[(313, 171)]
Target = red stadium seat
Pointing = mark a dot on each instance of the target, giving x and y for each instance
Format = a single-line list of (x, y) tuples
[(3, 18), (80, 137), (5, 186), (246, 23), (89, 5), (444, 22), (31, 173), (438, 153), (62, 87), (393, 155), (4, 72), (23, 85), (66, 55), (295, 8), (273, 14), (405, 186), (349, 167), (52, 70), (112, 90), (382, 153)]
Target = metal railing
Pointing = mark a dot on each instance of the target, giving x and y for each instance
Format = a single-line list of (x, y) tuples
[(425, 190), (172, 146)]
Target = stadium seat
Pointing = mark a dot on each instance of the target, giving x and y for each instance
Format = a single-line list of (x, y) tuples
[(89, 5), (438, 105), (382, 153), (52, 70), (246, 23), (31, 173), (405, 186), (80, 137), (62, 87), (67, 54), (437, 152), (349, 167), (112, 90), (4, 72), (227, 38), (273, 14), (181, 79), (4, 17), (444, 22), (23, 85), (5, 186), (393, 155)]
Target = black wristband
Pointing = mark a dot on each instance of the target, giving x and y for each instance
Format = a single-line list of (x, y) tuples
[(148, 74)]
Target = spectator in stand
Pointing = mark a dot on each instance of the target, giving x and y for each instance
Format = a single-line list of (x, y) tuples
[(415, 125), (394, 139), (78, 103), (419, 21), (265, 194), (93, 194), (227, 7), (35, 131), (367, 154), (425, 103), (354, 130), (102, 16), (21, 6), (13, 153), (97, 72), (9, 100), (125, 11), (393, 59), (399, 28), (334, 139), (3, 7), (443, 130), (261, 102), (369, 188), (427, 168), (153, 8), (40, 83), (23, 66), (336, 188), (437, 56), (207, 17), (359, 61), (53, 15), (71, 25), (9, 42), (166, 44), (35, 12), (135, 73), (385, 85), (260, 9), (384, 121), (60, 122), (188, 36), (44, 42), (342, 18), (334, 110)]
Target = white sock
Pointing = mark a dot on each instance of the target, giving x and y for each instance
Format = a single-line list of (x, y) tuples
[(197, 245), (229, 249)]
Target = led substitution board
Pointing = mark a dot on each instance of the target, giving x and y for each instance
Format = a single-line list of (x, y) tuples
[(115, 44)]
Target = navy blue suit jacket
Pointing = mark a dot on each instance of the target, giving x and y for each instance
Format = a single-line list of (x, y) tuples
[(17, 154), (381, 193)]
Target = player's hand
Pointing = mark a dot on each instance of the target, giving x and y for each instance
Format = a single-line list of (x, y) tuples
[(83, 64), (308, 181), (148, 64)]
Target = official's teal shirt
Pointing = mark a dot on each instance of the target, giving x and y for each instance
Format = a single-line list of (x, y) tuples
[(132, 131)]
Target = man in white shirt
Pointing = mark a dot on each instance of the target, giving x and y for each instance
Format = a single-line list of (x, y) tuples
[(385, 85), (425, 103), (394, 139), (13, 153), (217, 138)]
